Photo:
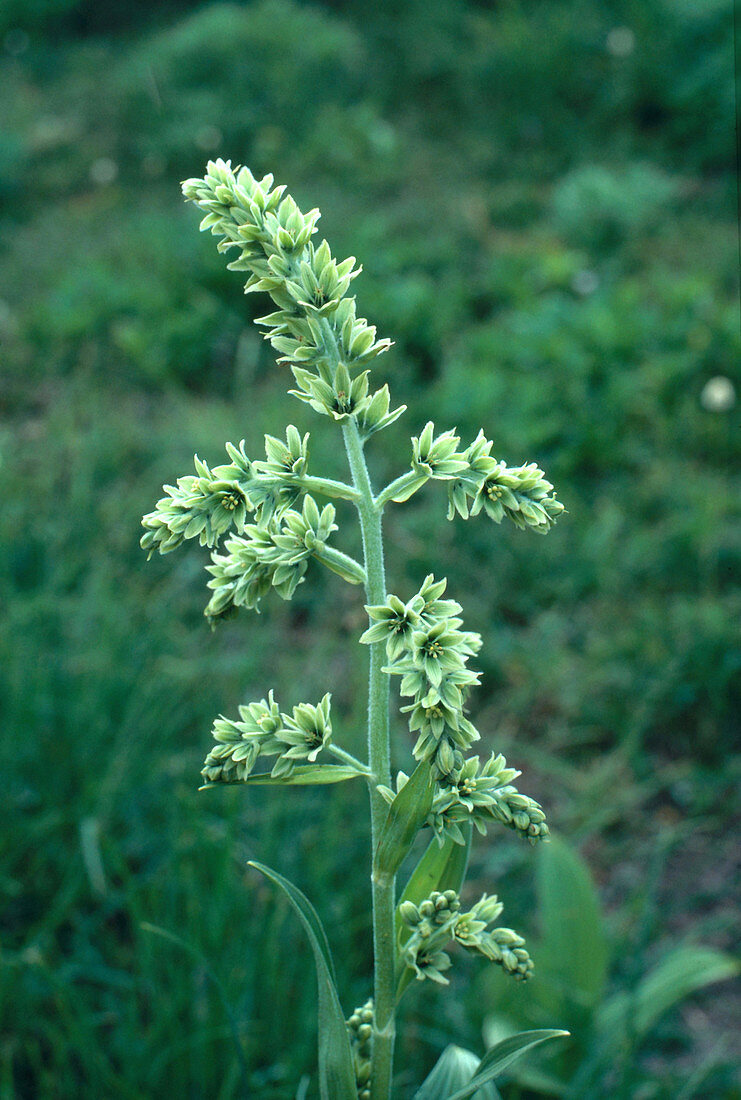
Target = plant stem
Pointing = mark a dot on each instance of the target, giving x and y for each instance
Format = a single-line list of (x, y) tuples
[(348, 758), (405, 486), (328, 487), (384, 947)]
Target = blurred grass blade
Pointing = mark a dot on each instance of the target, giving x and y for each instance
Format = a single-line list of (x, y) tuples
[(496, 1060), (453, 1070), (336, 1072), (440, 868), (674, 978), (208, 971), (305, 775), (406, 816), (574, 947)]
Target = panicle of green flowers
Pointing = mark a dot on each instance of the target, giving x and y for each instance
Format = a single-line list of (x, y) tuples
[(275, 555), (430, 653), (360, 1030), (427, 648), (478, 794), (521, 493), (211, 502), (315, 327), (203, 505), (264, 730), (438, 921), (477, 481)]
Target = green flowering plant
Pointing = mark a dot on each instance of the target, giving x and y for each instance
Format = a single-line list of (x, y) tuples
[(264, 527)]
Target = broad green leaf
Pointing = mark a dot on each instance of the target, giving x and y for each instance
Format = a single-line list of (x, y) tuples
[(540, 1081), (674, 978), (496, 1060), (336, 1072), (454, 1068), (406, 816), (305, 775), (440, 868), (573, 951)]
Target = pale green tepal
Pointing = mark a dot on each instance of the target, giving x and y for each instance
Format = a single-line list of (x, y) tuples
[(262, 522)]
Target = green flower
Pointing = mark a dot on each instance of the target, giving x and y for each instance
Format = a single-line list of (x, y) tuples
[(240, 743), (522, 494), (306, 732), (434, 608), (437, 457), (204, 506), (272, 238), (521, 813), (269, 555), (435, 650), (360, 1032), (507, 948), (285, 460), (393, 623), (519, 492)]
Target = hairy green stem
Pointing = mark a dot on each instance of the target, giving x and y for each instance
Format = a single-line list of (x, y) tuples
[(353, 761), (384, 948), (328, 487), (405, 486)]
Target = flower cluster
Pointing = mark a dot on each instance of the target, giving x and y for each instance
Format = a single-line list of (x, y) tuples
[(430, 653), (477, 481), (315, 327), (275, 555), (264, 730), (360, 1031), (521, 493), (427, 648), (204, 505), (438, 921), (477, 794)]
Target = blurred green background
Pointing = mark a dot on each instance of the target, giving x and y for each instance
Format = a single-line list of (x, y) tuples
[(543, 198)]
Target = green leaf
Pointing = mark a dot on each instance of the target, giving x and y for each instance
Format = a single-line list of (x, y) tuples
[(454, 1068), (305, 775), (496, 1060), (574, 949), (406, 816), (336, 1071), (670, 981), (440, 868)]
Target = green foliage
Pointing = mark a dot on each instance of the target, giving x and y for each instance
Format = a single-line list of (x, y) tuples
[(457, 1067), (607, 1027), (174, 72), (454, 1068), (406, 815), (597, 209), (336, 1072)]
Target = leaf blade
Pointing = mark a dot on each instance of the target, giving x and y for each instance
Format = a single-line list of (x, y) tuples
[(683, 971), (496, 1060), (453, 1069), (336, 1072), (406, 815), (570, 913), (305, 775), (440, 868)]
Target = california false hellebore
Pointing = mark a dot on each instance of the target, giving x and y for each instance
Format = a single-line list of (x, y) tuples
[(266, 513)]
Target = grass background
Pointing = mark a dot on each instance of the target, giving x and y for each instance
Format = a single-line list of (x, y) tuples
[(543, 196)]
